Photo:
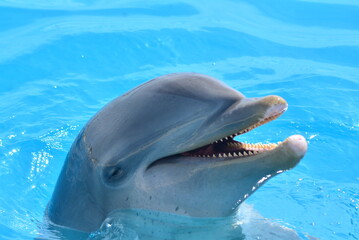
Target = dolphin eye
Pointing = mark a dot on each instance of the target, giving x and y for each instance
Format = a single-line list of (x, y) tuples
[(114, 174)]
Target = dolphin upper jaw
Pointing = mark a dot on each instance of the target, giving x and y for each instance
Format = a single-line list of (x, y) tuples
[(240, 117), (245, 114)]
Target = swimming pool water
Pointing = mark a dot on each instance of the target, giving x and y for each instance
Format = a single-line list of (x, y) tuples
[(61, 62)]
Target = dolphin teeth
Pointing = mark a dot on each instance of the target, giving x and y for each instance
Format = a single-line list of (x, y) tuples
[(245, 153), (208, 156), (230, 155), (219, 155), (240, 154), (235, 154), (224, 155), (221, 140), (214, 155), (250, 153)]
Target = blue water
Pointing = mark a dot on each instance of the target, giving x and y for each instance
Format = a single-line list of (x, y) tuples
[(60, 62)]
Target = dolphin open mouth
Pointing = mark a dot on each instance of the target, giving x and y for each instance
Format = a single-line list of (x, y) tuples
[(168, 146), (227, 147)]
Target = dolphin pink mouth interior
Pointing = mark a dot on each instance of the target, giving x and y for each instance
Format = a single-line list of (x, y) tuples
[(227, 147)]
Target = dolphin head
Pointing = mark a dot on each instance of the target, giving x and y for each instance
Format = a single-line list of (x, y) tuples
[(168, 146)]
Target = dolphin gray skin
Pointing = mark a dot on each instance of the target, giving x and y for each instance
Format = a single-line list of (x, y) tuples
[(168, 146)]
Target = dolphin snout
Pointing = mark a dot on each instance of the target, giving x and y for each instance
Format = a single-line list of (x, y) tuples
[(291, 151), (273, 100), (269, 105), (297, 145), (274, 105)]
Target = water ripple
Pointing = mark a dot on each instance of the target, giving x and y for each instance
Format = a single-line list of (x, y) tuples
[(251, 21)]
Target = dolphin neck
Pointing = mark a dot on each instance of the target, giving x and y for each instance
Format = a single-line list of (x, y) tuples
[(74, 186)]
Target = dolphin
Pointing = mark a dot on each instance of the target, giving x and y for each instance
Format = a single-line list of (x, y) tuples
[(168, 145)]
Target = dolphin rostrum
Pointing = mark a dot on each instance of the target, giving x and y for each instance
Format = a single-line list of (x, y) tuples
[(168, 145)]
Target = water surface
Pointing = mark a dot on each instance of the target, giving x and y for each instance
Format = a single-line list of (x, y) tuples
[(61, 62)]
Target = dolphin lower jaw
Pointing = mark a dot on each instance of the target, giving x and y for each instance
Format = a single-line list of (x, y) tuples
[(215, 187)]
